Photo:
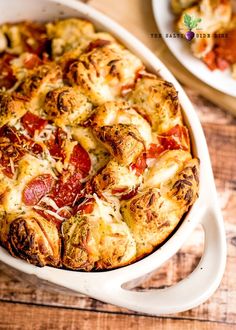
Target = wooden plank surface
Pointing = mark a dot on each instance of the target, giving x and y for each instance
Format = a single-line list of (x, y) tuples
[(57, 319), (28, 304)]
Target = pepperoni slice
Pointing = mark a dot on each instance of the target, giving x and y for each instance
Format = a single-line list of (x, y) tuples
[(36, 189), (129, 195), (67, 189), (50, 217), (222, 64), (214, 61), (119, 190), (176, 138), (154, 150), (31, 61), (210, 60), (55, 144), (225, 47), (86, 207), (33, 123), (140, 165), (80, 159), (125, 195)]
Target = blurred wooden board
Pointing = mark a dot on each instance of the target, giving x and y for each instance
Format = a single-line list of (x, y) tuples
[(27, 305)]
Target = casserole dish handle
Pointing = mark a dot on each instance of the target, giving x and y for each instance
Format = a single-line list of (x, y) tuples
[(191, 291)]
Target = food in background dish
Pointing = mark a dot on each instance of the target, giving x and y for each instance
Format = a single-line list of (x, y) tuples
[(96, 166), (218, 24)]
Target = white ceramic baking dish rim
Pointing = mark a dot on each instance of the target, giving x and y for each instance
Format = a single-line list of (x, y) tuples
[(107, 286)]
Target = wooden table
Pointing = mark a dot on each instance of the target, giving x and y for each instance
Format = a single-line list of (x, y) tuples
[(29, 306)]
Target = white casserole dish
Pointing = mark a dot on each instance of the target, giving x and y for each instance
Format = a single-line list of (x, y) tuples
[(107, 285)]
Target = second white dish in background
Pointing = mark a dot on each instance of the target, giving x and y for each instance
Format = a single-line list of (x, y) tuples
[(217, 79)]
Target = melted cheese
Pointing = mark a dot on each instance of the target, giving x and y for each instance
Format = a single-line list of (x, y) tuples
[(127, 178), (110, 219), (112, 113), (107, 211), (46, 133), (85, 137), (99, 155), (165, 167), (28, 168), (120, 177), (131, 117)]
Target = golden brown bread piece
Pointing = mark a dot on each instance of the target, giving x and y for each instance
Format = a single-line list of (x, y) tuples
[(154, 213), (33, 239), (67, 106), (116, 179), (12, 107), (99, 240), (76, 252), (123, 142), (120, 112), (39, 82), (158, 101), (183, 188), (104, 71), (224, 48), (71, 36)]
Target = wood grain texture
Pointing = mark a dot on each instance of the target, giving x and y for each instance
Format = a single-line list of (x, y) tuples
[(66, 319), (27, 304)]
